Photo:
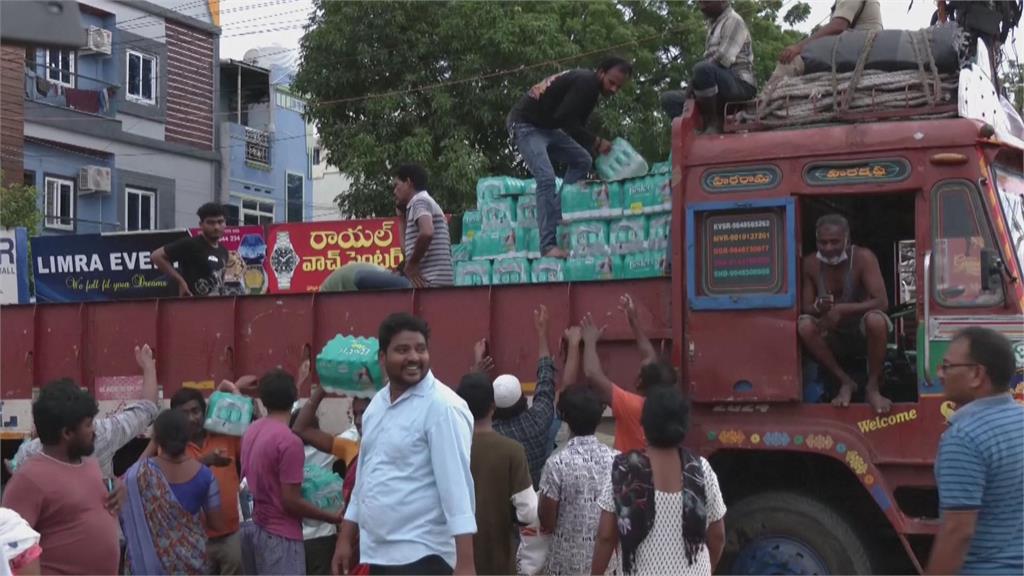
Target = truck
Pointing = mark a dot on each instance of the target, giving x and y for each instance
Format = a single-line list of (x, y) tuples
[(811, 488)]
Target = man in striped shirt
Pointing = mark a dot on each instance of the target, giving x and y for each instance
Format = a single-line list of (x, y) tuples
[(424, 230), (980, 466)]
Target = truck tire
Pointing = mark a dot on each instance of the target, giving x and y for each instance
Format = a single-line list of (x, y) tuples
[(788, 533)]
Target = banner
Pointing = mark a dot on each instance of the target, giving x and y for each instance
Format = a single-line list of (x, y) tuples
[(82, 267), (300, 256), (247, 251), (14, 266)]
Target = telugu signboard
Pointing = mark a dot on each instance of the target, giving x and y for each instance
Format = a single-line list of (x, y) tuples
[(84, 267), (14, 266), (247, 251), (300, 256), (742, 253)]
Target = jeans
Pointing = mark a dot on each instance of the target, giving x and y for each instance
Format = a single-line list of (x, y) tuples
[(711, 79), (380, 280), (539, 147)]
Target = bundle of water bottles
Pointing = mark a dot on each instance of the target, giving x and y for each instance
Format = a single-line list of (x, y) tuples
[(617, 227)]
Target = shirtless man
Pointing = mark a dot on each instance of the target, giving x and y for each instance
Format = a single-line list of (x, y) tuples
[(843, 309)]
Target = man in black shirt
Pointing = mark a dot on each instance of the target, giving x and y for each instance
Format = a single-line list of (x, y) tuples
[(549, 124), (200, 260)]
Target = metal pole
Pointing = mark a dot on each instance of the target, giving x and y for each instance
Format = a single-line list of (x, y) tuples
[(239, 103)]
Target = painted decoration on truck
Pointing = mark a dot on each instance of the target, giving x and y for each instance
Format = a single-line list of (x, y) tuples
[(857, 172), (96, 267), (746, 179), (247, 249), (300, 256), (741, 255)]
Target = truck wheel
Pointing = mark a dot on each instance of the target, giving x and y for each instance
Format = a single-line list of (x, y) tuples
[(786, 533)]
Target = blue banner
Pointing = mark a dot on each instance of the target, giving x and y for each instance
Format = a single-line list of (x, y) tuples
[(14, 266), (91, 267)]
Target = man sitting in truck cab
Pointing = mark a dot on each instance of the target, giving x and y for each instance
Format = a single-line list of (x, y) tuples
[(843, 309)]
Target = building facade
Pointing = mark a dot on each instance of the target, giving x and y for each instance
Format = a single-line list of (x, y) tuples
[(265, 145), (119, 135), (329, 183)]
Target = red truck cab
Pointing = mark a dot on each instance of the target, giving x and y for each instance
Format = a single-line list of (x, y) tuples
[(813, 488)]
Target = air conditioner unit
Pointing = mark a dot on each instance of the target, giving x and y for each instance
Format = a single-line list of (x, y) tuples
[(97, 40), (92, 179)]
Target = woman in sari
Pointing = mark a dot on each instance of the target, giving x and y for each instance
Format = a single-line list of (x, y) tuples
[(662, 506), (161, 519)]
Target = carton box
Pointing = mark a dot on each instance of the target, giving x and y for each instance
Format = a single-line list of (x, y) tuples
[(510, 271), (474, 273)]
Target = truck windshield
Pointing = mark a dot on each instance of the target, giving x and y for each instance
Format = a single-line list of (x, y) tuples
[(1011, 196)]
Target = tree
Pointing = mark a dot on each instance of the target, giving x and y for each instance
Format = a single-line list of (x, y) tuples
[(18, 207), (432, 82)]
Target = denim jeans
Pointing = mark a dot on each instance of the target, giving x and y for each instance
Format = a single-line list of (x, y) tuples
[(380, 280), (710, 79), (539, 147)]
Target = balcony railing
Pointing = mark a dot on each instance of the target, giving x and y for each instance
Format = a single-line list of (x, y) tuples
[(99, 98), (257, 147)]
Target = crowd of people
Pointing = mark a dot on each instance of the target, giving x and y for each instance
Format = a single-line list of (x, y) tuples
[(448, 480)]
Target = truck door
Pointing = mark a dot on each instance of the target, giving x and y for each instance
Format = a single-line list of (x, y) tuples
[(962, 283), (741, 337)]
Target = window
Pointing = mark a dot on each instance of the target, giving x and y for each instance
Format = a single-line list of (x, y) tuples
[(962, 233), (316, 156), (254, 212), (59, 208), (141, 80), (285, 100), (60, 64), (1010, 185), (139, 209), (294, 184), (28, 178)]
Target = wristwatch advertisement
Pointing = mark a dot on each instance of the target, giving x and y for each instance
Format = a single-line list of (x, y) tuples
[(284, 260)]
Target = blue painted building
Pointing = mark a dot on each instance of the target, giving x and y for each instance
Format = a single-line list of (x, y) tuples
[(119, 134), (265, 145)]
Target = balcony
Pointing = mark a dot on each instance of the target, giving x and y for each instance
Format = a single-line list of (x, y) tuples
[(257, 148), (52, 86)]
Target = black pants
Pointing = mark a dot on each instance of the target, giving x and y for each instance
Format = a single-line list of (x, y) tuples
[(319, 553), (432, 565)]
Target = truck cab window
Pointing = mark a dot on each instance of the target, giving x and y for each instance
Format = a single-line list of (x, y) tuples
[(963, 239)]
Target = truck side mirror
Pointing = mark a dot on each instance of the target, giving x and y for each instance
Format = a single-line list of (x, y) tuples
[(991, 269)]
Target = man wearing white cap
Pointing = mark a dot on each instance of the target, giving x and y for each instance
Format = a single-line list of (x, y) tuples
[(529, 426)]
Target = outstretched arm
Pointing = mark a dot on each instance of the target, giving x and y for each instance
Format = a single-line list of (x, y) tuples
[(592, 363), (571, 374), (643, 343)]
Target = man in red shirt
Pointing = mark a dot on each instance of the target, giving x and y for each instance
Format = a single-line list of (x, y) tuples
[(627, 407), (62, 493)]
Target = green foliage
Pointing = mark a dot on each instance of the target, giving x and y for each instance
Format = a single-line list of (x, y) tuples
[(432, 82), (1013, 84), (18, 207)]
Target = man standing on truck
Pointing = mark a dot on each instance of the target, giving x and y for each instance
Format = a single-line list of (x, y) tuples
[(864, 15), (726, 70), (844, 310), (423, 229), (201, 259), (413, 502), (548, 125), (979, 469)]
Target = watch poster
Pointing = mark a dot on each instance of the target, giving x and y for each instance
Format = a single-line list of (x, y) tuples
[(300, 256), (247, 250)]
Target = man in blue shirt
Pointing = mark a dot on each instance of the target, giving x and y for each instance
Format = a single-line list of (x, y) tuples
[(413, 503), (980, 465)]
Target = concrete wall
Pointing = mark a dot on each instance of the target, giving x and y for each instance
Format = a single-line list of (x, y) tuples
[(291, 155), (325, 188), (195, 179)]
